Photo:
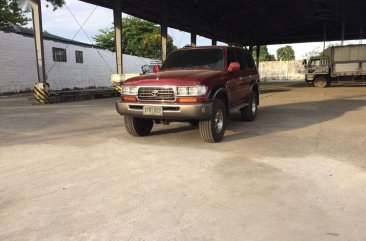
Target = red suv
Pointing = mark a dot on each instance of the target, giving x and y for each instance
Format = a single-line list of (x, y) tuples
[(200, 85)]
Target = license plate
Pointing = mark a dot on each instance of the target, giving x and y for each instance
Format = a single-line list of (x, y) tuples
[(152, 110)]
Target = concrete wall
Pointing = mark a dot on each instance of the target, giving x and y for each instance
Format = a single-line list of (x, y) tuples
[(18, 70), (281, 70)]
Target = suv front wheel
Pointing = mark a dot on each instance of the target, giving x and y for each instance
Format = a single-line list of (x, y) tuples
[(213, 130), (138, 126)]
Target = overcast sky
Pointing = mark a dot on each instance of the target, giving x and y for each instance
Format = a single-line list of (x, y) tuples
[(62, 23)]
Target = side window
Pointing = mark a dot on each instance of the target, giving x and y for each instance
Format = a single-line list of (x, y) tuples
[(230, 56), (240, 58), (249, 61), (315, 62), (324, 62), (59, 55), (79, 56)]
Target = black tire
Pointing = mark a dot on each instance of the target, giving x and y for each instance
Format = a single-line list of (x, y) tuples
[(138, 126), (213, 130), (321, 82), (194, 123), (249, 112)]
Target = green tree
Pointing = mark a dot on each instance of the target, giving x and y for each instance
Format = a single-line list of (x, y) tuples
[(105, 38), (285, 53), (264, 55), (139, 38), (314, 52), (10, 13)]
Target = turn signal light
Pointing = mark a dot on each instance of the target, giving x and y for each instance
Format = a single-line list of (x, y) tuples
[(128, 98), (190, 100)]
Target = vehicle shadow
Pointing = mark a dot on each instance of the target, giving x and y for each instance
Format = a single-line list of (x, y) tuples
[(291, 84), (173, 130), (346, 85), (285, 117), (273, 87), (274, 90)]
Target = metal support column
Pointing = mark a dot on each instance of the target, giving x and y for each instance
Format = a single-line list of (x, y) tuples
[(213, 35), (193, 39), (117, 13), (258, 49), (164, 30), (324, 35), (361, 32), (193, 22), (251, 49), (164, 35), (343, 29), (38, 39), (214, 41)]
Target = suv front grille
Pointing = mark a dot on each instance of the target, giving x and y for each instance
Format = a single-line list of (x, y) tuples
[(156, 94)]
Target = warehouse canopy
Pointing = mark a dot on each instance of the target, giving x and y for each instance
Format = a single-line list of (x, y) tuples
[(254, 22)]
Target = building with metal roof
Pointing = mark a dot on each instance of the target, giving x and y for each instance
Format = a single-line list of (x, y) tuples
[(68, 64)]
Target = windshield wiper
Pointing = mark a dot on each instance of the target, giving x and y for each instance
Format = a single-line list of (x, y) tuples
[(202, 67), (190, 67), (173, 68)]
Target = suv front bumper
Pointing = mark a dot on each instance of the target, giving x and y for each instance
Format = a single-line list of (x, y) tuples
[(170, 111)]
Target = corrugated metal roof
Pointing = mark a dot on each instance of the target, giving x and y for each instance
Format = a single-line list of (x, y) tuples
[(253, 22)]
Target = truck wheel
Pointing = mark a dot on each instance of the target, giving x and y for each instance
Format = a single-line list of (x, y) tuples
[(138, 126), (213, 130), (320, 82), (249, 112)]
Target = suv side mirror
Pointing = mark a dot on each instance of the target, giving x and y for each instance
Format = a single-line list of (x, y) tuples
[(156, 69), (234, 66)]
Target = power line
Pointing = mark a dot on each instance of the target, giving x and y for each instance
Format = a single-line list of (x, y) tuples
[(81, 27), (72, 37)]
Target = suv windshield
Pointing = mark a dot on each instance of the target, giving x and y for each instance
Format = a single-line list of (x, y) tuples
[(195, 58)]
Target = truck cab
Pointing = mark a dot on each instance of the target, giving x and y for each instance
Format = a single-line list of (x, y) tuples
[(317, 71)]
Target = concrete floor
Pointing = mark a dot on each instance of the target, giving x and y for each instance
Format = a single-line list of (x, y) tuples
[(70, 172)]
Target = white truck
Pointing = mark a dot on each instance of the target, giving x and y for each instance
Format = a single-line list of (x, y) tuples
[(338, 64)]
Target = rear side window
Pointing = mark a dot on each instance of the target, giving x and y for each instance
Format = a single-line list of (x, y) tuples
[(230, 56), (249, 61), (240, 58)]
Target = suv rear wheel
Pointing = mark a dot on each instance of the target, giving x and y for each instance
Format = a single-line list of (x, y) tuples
[(138, 126), (213, 130), (249, 112)]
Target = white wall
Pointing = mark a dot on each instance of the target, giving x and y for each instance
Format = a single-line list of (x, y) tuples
[(281, 70), (18, 69)]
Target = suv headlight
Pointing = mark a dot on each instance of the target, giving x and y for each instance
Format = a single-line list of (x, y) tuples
[(197, 90), (129, 90)]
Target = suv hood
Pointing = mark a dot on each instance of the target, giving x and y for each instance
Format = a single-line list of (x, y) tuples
[(174, 77)]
